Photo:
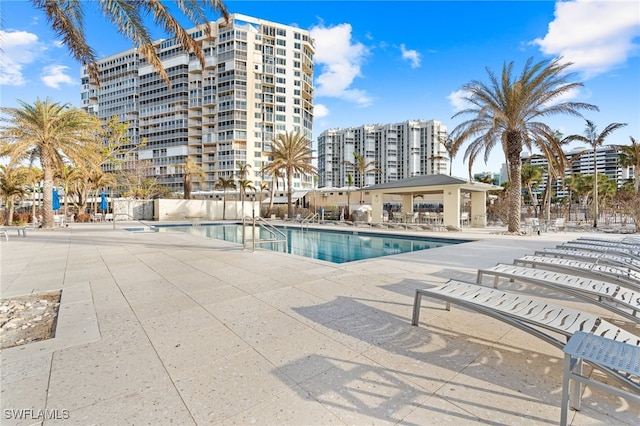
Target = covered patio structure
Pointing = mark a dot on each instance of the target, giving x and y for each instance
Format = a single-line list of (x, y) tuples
[(448, 187)]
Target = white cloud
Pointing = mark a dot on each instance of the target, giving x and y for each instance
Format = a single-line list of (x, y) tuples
[(594, 35), (55, 75), (320, 111), (19, 48), (412, 55), (458, 101), (339, 61)]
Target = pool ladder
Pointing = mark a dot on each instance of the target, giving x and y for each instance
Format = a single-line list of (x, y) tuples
[(255, 224)]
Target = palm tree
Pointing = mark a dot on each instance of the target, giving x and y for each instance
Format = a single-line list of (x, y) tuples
[(630, 157), (34, 178), (264, 186), (531, 176), (190, 170), (362, 167), (506, 111), (243, 169), (595, 139), (13, 182), (98, 181), (451, 146), (66, 177), (557, 163), (349, 185), (275, 174), (225, 184), (49, 131), (67, 20), (244, 185), (291, 153)]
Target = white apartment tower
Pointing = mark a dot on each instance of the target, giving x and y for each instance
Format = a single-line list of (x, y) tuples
[(257, 82), (399, 151)]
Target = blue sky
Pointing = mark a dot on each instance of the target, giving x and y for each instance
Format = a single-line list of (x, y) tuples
[(388, 61)]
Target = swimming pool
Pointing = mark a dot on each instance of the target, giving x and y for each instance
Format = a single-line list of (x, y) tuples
[(330, 245)]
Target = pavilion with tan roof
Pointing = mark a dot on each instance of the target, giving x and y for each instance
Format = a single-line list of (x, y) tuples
[(448, 187)]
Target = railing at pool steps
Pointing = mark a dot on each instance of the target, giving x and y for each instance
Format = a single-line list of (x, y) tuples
[(255, 224)]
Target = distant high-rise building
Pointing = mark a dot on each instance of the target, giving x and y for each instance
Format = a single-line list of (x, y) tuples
[(607, 163), (398, 151), (257, 82)]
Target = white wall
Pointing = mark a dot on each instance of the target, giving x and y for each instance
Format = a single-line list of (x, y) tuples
[(172, 209)]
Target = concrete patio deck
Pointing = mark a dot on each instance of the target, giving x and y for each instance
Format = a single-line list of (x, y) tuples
[(160, 328)]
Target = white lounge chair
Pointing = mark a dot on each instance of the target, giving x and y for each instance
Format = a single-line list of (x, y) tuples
[(614, 297), (623, 276), (534, 316), (632, 242), (592, 256), (603, 248)]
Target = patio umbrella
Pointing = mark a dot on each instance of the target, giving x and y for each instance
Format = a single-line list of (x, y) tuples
[(55, 202), (103, 202)]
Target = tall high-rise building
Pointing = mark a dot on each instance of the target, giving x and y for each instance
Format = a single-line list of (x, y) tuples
[(257, 82), (392, 151)]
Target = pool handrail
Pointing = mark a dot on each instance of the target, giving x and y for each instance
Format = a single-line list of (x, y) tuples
[(308, 219), (264, 224)]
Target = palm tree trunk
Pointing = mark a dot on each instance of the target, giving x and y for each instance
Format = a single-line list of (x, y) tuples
[(273, 192), (547, 198), (290, 193), (514, 148), (595, 189), (33, 206), (224, 204), (47, 195)]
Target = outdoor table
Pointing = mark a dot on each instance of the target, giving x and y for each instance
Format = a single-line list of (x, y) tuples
[(621, 357)]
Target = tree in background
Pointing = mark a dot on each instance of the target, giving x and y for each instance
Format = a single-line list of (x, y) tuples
[(34, 179), (362, 168), (507, 111), (291, 154), (69, 177), (630, 157), (595, 139), (452, 146), (225, 184), (531, 176), (190, 170), (13, 184), (245, 185), (349, 185), (264, 186), (49, 132)]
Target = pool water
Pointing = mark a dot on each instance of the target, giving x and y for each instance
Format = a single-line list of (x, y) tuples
[(328, 245)]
